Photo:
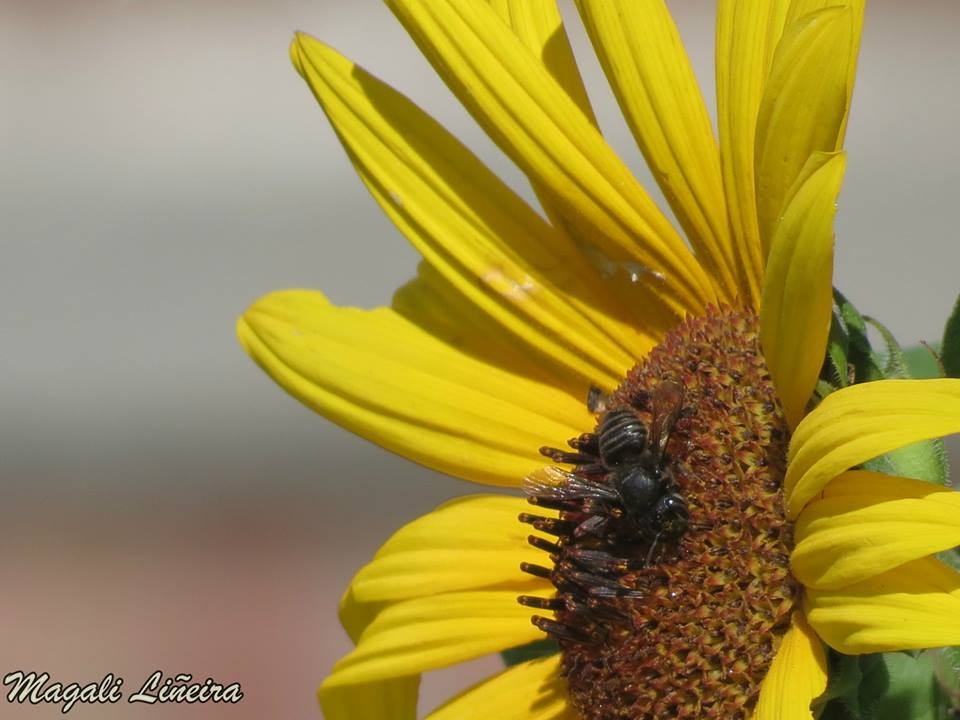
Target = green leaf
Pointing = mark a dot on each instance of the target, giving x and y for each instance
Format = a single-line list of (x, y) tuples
[(531, 651), (890, 686), (900, 686), (841, 701), (950, 349)]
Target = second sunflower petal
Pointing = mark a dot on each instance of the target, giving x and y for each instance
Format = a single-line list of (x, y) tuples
[(797, 289), (395, 698), (804, 106), (864, 421), (524, 110), (533, 690), (469, 543), (797, 675), (917, 605), (487, 243), (431, 632), (645, 62), (869, 523), (382, 377)]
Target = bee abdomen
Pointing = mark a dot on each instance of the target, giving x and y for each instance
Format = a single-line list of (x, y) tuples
[(622, 437)]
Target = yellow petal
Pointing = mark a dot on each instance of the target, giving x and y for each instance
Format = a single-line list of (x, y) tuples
[(747, 33), (804, 106), (366, 700), (798, 286), (431, 303), (426, 633), (868, 523), (644, 60), (479, 235), (539, 25), (531, 117), (917, 605), (860, 422), (469, 543), (395, 699), (383, 378), (466, 544), (799, 8), (533, 690), (797, 675)]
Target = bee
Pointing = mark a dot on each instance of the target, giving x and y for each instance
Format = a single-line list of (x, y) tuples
[(619, 499), (621, 487)]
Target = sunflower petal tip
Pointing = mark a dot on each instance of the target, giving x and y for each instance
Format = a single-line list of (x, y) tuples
[(296, 52), (243, 333), (283, 306), (302, 46)]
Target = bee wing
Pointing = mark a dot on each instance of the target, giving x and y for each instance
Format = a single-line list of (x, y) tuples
[(552, 482), (666, 404)]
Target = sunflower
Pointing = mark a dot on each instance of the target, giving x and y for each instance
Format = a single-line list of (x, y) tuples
[(481, 365)]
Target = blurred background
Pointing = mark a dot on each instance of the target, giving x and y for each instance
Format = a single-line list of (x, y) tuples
[(162, 504)]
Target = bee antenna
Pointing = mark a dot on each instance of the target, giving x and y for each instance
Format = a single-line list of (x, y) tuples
[(653, 546), (597, 400)]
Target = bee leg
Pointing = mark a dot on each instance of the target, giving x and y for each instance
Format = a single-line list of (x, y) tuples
[(567, 458), (603, 609), (555, 503), (596, 608), (615, 592), (587, 443), (541, 603), (542, 544), (602, 562), (593, 525), (537, 570), (589, 581), (564, 632), (553, 526)]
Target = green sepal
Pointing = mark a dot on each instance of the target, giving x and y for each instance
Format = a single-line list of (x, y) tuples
[(926, 460), (896, 364), (866, 364), (950, 347), (835, 370), (530, 651), (850, 358), (923, 361)]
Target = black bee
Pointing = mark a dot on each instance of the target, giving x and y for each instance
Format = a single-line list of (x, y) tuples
[(619, 499), (626, 491)]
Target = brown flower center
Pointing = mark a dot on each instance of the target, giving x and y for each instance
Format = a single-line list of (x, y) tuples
[(671, 551)]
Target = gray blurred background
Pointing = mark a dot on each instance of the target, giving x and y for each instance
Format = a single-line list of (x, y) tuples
[(162, 504)]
